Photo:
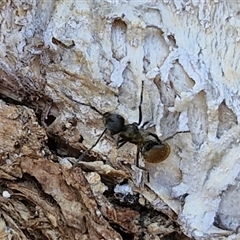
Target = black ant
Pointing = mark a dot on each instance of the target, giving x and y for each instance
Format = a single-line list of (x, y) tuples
[(151, 147)]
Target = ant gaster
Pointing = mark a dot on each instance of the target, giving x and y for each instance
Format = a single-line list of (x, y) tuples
[(148, 144)]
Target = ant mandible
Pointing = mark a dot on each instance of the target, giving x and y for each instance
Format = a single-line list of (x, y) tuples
[(148, 144)]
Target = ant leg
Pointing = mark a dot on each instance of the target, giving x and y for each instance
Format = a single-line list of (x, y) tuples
[(84, 104), (155, 136), (137, 160), (144, 125), (120, 145), (168, 138), (140, 105), (120, 142), (137, 157), (88, 150)]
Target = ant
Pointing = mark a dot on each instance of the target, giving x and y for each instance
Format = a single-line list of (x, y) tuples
[(148, 144)]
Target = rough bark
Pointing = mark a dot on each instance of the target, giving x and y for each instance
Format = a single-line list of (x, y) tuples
[(184, 54)]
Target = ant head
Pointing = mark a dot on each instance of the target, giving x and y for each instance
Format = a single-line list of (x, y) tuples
[(154, 151), (113, 122)]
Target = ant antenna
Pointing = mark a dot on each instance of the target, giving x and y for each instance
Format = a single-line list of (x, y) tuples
[(88, 150), (84, 104)]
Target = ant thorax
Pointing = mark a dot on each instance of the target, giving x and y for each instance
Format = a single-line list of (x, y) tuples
[(131, 133)]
